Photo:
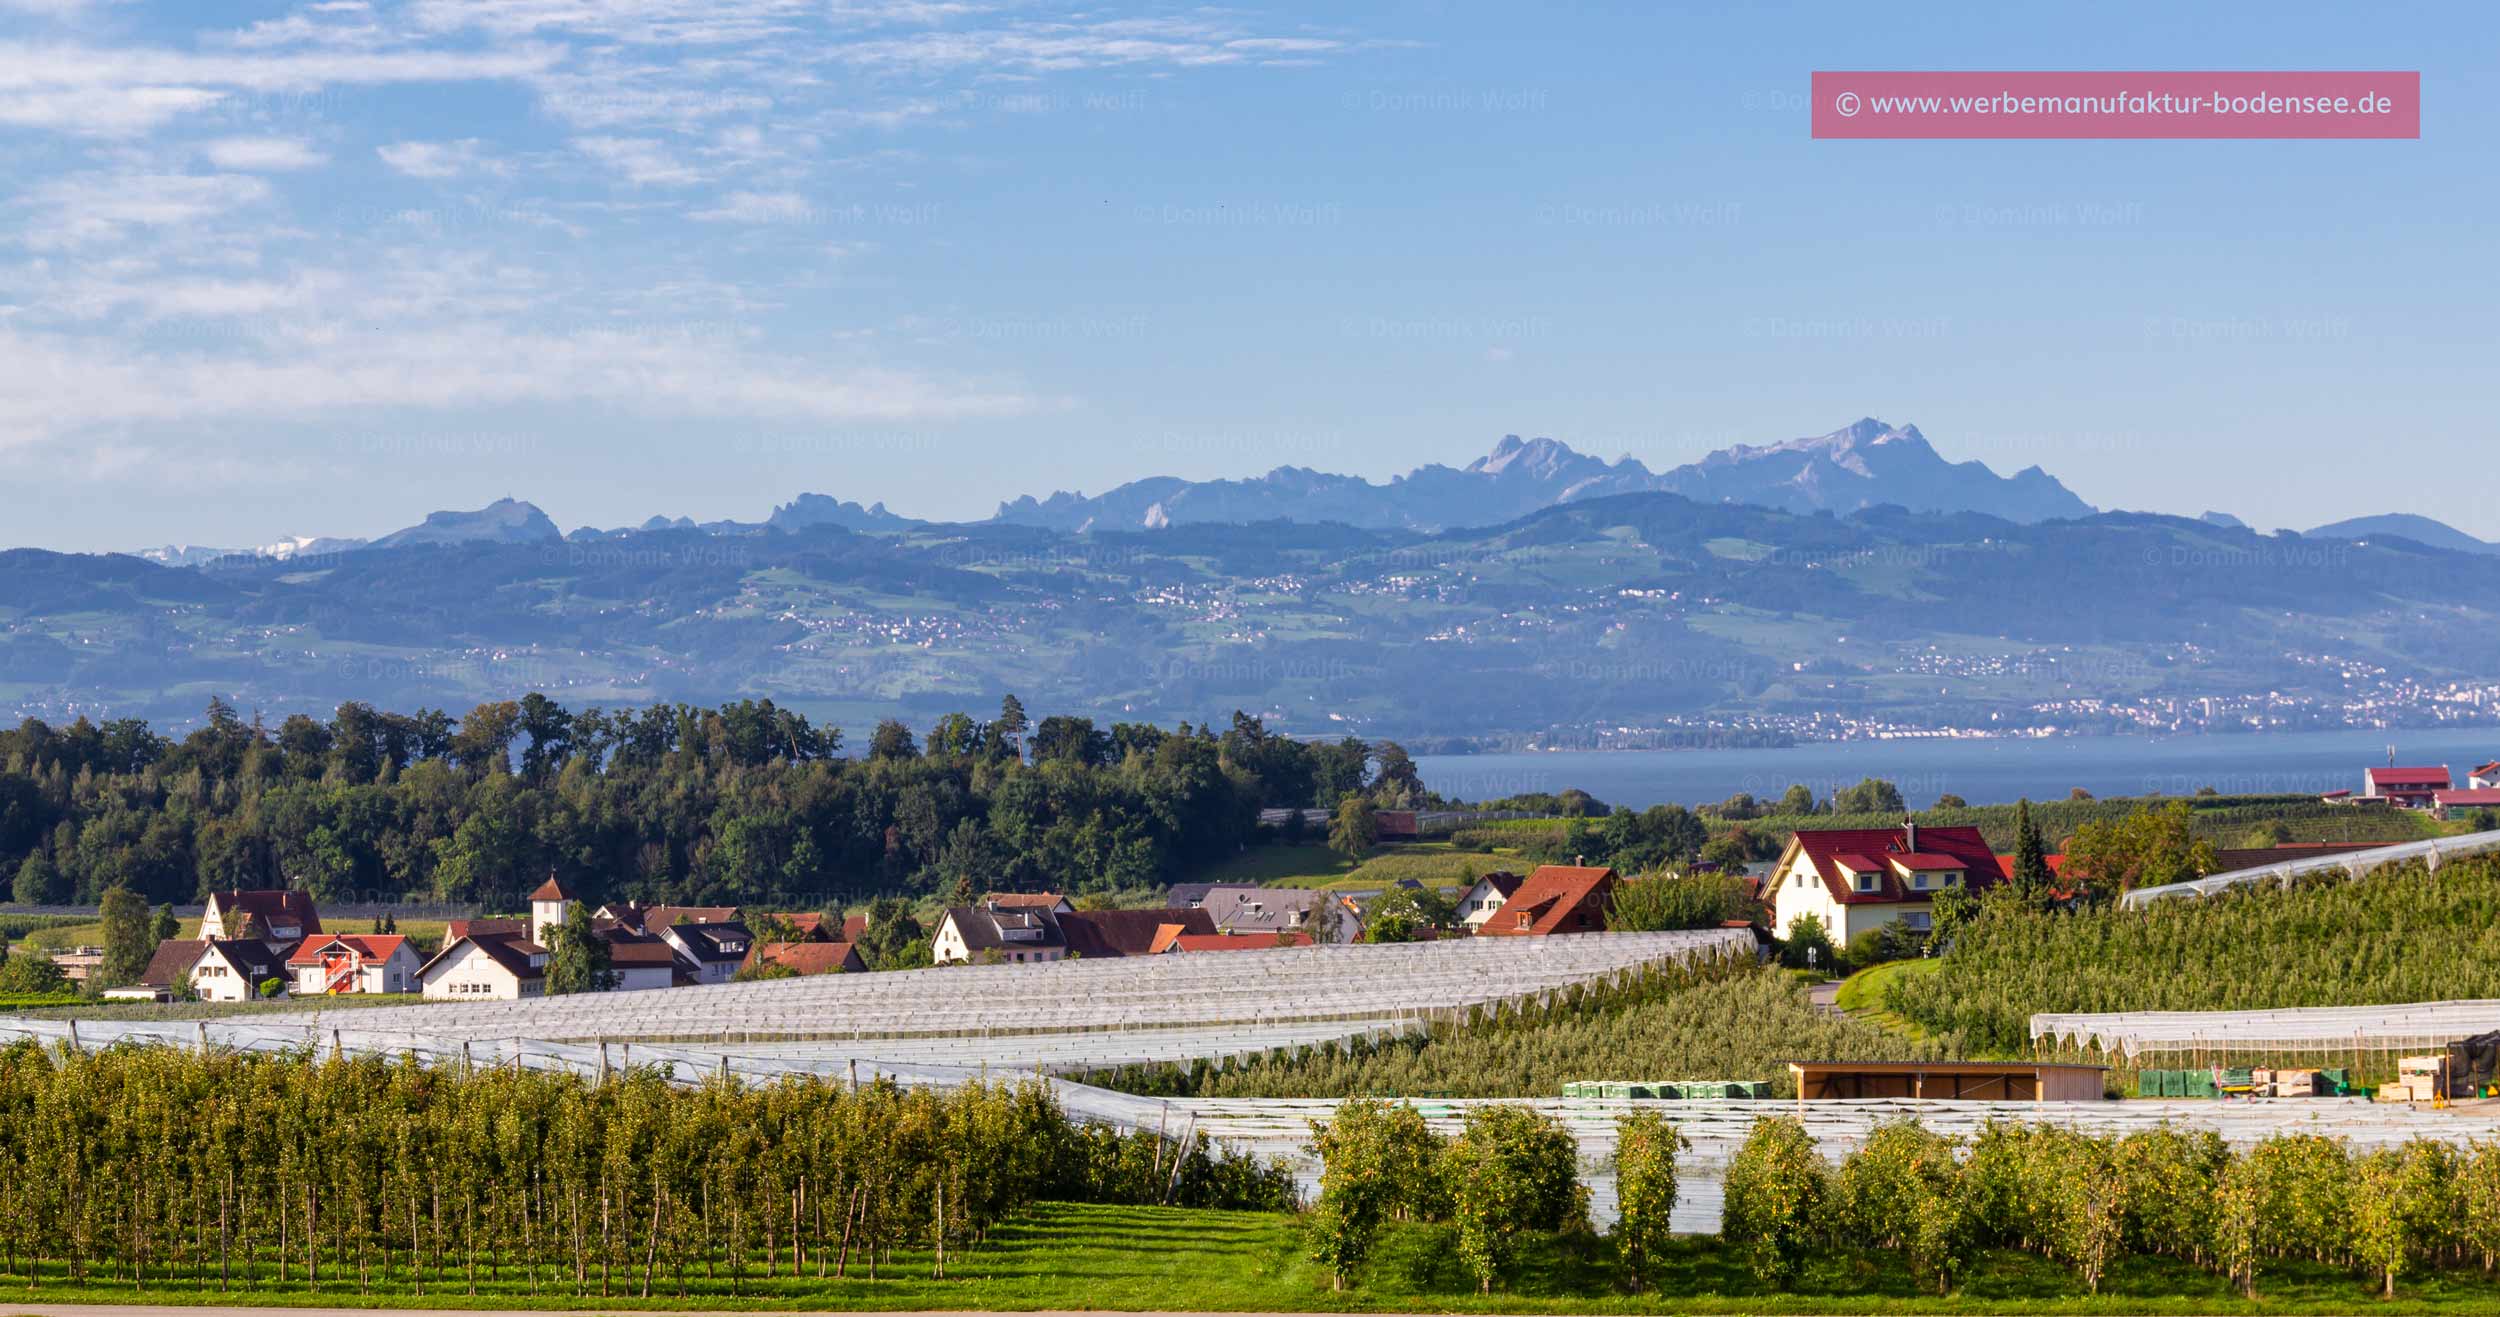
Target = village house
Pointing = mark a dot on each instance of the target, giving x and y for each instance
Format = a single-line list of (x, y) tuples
[(1035, 934), (1487, 895), (486, 966), (334, 964), (1270, 910), (279, 918), (708, 951), (807, 959), (219, 969), (965, 933), (2485, 777), (1855, 880), (1554, 898), (2405, 788)]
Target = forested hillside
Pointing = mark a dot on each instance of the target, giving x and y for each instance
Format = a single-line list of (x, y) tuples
[(741, 803)]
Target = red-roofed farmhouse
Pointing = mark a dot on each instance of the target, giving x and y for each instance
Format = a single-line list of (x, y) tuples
[(1858, 879)]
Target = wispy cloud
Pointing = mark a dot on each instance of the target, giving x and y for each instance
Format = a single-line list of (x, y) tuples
[(437, 160), (263, 154), (114, 92), (643, 161), (87, 209), (758, 208)]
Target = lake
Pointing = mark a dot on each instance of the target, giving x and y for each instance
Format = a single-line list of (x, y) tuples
[(1982, 772)]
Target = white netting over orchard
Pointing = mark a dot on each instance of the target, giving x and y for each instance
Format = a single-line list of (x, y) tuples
[(2411, 1026), (1242, 991)]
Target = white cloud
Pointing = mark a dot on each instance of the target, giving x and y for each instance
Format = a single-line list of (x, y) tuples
[(441, 159), (52, 386), (118, 92), (641, 22), (643, 161), (91, 208), (758, 208), (263, 154)]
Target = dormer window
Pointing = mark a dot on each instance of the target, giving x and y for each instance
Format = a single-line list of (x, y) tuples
[(1866, 882)]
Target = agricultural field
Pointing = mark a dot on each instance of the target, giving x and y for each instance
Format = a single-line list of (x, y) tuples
[(2397, 935), (1438, 864), (2224, 821), (1741, 1022)]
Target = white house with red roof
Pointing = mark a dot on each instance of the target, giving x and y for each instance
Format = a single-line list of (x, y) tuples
[(1856, 880), (2406, 788), (2486, 777), (1555, 898), (334, 964)]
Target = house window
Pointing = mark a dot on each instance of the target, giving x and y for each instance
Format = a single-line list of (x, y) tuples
[(1918, 882), (1866, 882), (1524, 921)]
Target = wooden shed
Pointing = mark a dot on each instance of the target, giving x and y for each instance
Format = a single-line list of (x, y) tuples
[(1969, 1081)]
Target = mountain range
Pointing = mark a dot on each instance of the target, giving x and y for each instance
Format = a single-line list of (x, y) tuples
[(1864, 465)]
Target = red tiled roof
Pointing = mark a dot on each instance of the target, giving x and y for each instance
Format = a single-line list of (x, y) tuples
[(809, 957), (1230, 941), (854, 927), (2491, 769), (2477, 798), (2434, 777), (1023, 900), (1830, 848), (809, 925), (1550, 899), (1930, 862), (371, 946), (551, 890)]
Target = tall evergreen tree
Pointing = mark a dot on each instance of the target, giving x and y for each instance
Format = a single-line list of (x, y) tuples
[(2031, 860)]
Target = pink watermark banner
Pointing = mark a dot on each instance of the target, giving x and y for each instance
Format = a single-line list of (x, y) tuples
[(2118, 105)]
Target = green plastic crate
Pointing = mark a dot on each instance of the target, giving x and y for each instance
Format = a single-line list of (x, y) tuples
[(2200, 1084), (2335, 1082), (2148, 1083)]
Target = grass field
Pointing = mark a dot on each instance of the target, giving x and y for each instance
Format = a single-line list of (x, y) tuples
[(427, 933), (1862, 995), (1143, 1259), (1435, 862)]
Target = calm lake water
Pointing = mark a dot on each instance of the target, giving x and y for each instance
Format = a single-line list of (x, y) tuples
[(1981, 772)]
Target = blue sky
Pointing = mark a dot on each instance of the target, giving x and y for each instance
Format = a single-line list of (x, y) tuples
[(319, 268)]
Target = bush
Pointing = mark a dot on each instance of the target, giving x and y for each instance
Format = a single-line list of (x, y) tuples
[(1775, 1191), (1645, 1189), (1511, 1170), (1377, 1160)]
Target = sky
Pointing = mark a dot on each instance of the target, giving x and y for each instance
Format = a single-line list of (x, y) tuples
[(273, 269)]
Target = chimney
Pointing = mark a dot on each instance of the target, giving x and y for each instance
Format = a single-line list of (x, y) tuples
[(1909, 834)]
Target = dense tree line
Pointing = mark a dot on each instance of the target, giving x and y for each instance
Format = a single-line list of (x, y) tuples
[(239, 1172), (746, 802), (2395, 935), (2088, 1201)]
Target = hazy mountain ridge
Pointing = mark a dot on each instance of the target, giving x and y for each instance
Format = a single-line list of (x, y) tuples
[(1624, 610), (1866, 464)]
